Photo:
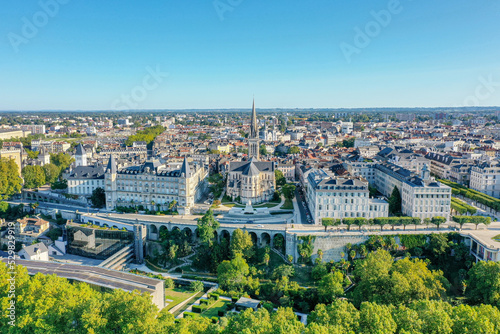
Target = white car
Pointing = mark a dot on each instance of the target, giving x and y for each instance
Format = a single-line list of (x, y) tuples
[(260, 225)]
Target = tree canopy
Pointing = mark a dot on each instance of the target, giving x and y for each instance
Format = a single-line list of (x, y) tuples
[(207, 226), (34, 176), (10, 180)]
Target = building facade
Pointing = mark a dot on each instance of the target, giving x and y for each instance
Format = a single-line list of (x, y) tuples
[(83, 180), (486, 179), (251, 180), (330, 196), (154, 185), (421, 196)]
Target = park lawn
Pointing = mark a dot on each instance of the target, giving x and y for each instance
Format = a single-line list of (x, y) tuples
[(288, 205), (177, 295), (214, 308)]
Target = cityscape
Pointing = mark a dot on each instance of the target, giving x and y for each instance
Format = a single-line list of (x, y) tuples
[(344, 196)]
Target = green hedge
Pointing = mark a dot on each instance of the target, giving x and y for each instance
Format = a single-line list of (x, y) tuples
[(214, 296), (474, 195), (204, 302), (411, 241), (198, 308), (190, 315)]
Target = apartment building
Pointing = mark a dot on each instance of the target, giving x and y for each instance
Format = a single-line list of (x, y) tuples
[(155, 185), (486, 179), (333, 196)]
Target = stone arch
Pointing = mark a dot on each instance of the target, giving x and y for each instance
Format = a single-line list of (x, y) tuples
[(162, 230), (265, 239), (188, 233), (255, 238), (224, 234), (153, 229), (279, 242)]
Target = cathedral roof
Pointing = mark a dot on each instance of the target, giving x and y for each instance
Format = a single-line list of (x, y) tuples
[(251, 166)]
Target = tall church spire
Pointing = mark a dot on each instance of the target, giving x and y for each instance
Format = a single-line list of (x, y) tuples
[(253, 138), (253, 125)]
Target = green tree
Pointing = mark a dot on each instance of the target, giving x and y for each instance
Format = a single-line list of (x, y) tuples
[(61, 160), (98, 197), (10, 180), (241, 243), (263, 150), (438, 246), (280, 178), (293, 150), (375, 318), (4, 206), (196, 286), (207, 226), (435, 316), (395, 201), (34, 176), (51, 172), (438, 221), (288, 191), (483, 285), (32, 154), (330, 287), (232, 274), (382, 280), (283, 270), (267, 257)]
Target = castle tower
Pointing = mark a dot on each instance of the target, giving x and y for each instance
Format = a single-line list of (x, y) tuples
[(253, 137), (80, 156), (110, 183)]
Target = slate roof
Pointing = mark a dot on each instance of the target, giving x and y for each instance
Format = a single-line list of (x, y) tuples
[(80, 150), (251, 166), (32, 249), (87, 172)]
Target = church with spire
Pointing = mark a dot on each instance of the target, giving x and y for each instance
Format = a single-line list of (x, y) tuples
[(251, 180), (154, 185)]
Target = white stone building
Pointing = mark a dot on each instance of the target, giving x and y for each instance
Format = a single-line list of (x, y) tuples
[(422, 196), (341, 197), (154, 185), (486, 179)]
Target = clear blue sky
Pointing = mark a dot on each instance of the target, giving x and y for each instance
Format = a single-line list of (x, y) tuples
[(286, 53)]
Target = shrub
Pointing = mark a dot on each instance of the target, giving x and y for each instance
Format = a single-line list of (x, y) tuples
[(221, 313), (169, 283), (213, 296), (215, 320), (268, 306), (196, 286), (198, 308), (234, 299), (204, 302), (189, 315)]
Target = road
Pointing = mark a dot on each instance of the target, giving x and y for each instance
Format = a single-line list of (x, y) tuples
[(45, 205), (302, 208)]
